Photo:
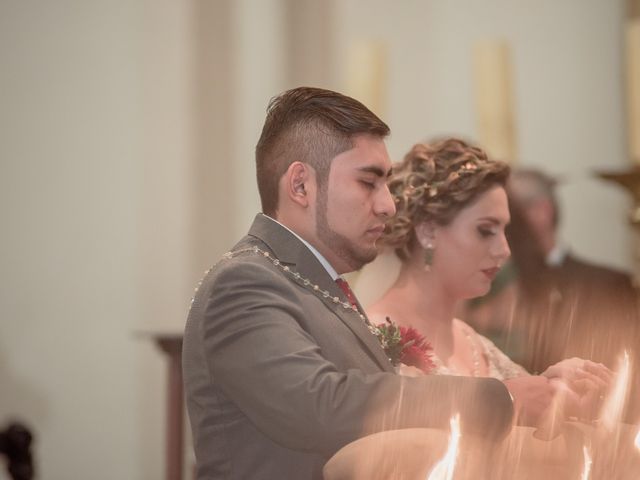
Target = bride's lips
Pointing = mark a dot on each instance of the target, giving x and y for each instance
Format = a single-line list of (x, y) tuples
[(491, 272)]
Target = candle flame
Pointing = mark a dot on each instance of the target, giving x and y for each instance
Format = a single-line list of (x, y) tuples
[(613, 406), (444, 468), (586, 471)]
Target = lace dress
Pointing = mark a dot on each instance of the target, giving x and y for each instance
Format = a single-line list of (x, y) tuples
[(500, 366)]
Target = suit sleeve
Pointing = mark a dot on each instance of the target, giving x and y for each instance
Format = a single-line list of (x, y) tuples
[(274, 371)]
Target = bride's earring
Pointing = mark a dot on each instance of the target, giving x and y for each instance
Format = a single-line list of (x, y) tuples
[(428, 257), (425, 234)]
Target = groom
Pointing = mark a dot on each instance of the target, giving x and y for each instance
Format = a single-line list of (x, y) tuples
[(280, 367)]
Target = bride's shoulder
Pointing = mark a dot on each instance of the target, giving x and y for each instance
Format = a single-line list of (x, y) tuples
[(461, 324), (471, 333), (466, 328)]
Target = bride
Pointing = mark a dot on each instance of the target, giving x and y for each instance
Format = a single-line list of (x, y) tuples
[(448, 232)]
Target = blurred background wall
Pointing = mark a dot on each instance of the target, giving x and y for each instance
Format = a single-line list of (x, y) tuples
[(127, 130)]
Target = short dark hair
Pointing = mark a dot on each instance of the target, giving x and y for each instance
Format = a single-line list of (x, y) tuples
[(311, 125)]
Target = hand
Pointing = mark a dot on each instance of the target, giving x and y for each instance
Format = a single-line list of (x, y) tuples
[(566, 403), (583, 384), (564, 400), (532, 398), (581, 375)]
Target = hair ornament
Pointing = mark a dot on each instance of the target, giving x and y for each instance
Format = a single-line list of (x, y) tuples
[(432, 189), (470, 166), (465, 169), (411, 191)]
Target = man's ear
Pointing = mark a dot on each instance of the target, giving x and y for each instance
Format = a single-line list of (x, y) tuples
[(297, 182), (426, 234)]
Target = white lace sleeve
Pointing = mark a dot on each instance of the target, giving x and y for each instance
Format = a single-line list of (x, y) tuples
[(500, 366)]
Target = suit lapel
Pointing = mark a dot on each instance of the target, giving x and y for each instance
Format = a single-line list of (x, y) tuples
[(290, 251)]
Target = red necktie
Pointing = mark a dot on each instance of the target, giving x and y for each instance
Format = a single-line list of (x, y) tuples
[(344, 286)]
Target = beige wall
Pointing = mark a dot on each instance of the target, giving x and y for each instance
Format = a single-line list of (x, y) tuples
[(97, 156), (126, 138), (569, 107)]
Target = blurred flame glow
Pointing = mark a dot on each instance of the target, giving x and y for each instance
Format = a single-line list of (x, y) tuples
[(445, 467), (638, 440), (612, 408), (586, 471)]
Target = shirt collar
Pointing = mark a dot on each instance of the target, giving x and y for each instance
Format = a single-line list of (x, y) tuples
[(323, 261), (556, 256)]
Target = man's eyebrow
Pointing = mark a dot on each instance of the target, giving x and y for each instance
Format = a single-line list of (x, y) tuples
[(377, 171)]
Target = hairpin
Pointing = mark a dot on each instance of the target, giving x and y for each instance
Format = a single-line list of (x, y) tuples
[(432, 188)]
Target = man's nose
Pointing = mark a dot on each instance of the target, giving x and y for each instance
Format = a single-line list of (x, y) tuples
[(384, 204)]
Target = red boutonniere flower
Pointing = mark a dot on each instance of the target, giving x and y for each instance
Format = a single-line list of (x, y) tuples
[(405, 345)]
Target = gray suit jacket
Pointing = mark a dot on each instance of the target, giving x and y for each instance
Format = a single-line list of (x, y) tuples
[(279, 376)]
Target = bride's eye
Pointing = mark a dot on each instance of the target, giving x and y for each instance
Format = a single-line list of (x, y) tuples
[(486, 231)]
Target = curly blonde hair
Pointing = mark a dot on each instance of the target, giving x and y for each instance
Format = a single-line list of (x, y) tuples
[(433, 183)]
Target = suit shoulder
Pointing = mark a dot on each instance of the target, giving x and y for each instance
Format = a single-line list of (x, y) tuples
[(245, 264), (241, 276), (597, 271)]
